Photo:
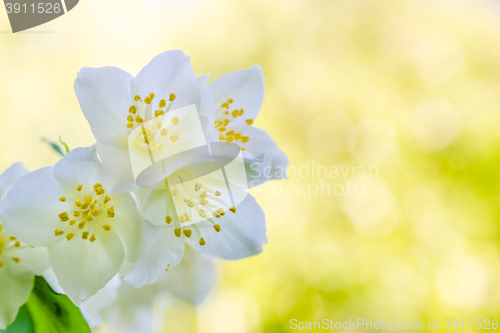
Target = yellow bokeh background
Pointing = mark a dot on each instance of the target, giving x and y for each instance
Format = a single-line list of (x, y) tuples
[(410, 87)]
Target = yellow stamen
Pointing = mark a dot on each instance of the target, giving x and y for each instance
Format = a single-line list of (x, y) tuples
[(163, 103), (217, 227), (58, 232), (202, 241), (94, 212), (72, 222), (62, 199), (100, 191), (244, 139), (177, 232), (174, 192), (92, 206), (1, 263), (158, 125), (168, 219), (76, 214), (70, 236), (106, 227), (79, 187), (221, 137), (203, 201), (218, 194), (174, 138), (130, 119), (63, 217), (85, 235), (230, 101), (233, 209), (81, 225), (202, 213), (139, 120), (171, 97), (137, 98), (90, 218), (235, 113), (17, 244), (221, 211), (225, 105), (237, 136), (92, 238), (106, 199), (197, 186), (78, 203), (133, 110), (130, 125), (96, 186), (229, 139), (222, 129), (203, 194), (16, 260), (175, 121), (12, 238), (111, 211), (189, 203), (164, 132), (187, 232)]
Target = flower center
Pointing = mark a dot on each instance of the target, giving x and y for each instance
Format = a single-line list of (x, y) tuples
[(196, 199), (153, 135), (91, 211), (225, 127), (7, 243)]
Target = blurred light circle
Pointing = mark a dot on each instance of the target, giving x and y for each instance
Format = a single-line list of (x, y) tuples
[(435, 124), (462, 282), (372, 140), (374, 212)]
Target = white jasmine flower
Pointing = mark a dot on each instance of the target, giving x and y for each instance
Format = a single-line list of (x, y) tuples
[(238, 98), (19, 263), (228, 232), (88, 231), (118, 108)]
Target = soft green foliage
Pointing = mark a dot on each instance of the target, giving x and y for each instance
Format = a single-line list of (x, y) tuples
[(46, 311)]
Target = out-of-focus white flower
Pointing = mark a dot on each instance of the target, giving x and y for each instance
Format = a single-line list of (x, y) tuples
[(88, 231), (133, 310), (19, 263)]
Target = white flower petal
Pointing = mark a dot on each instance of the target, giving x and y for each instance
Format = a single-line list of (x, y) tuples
[(92, 308), (260, 142), (169, 72), (105, 98), (33, 261), (15, 291), (116, 167), (136, 235), (51, 279), (257, 168), (9, 176), (203, 79), (242, 234), (166, 252), (245, 87), (82, 268), (30, 210), (79, 165), (192, 279)]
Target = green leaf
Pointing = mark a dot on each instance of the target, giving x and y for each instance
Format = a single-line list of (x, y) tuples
[(46, 311)]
